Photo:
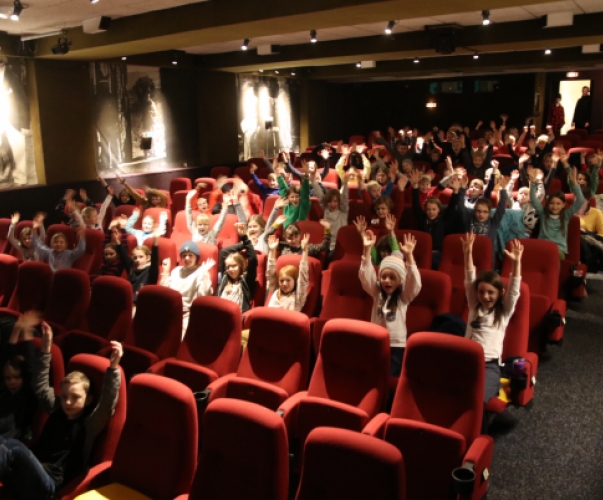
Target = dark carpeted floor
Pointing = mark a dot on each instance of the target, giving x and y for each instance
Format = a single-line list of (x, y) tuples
[(555, 449)]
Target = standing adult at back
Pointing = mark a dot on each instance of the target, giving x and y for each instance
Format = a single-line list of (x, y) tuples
[(582, 111)]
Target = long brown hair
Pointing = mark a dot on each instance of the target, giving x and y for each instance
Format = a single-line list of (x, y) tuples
[(547, 211), (493, 279)]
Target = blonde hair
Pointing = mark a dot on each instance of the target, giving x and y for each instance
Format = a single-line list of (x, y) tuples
[(424, 178), (56, 236), (77, 378), (477, 182), (238, 259), (142, 248), (204, 217), (272, 177), (373, 184), (88, 211), (258, 219), (24, 232)]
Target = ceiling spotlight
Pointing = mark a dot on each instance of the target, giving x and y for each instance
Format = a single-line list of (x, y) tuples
[(123, 58), (548, 52), (293, 73), (476, 56), (485, 17), (245, 44), (261, 71), (313, 36), (93, 1), (276, 71), (18, 8), (358, 65), (416, 60), (390, 27), (62, 46)]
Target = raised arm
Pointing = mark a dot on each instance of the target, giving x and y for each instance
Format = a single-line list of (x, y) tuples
[(412, 284), (41, 380), (133, 193), (124, 258), (366, 273), (271, 278), (578, 196)]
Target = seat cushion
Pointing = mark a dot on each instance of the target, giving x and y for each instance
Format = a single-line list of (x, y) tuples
[(113, 491)]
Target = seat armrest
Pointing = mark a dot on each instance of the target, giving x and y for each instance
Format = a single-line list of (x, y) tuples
[(256, 391), (96, 477), (479, 457), (134, 361), (218, 387), (376, 427), (288, 410)]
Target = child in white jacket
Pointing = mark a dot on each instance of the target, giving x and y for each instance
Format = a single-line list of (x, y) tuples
[(397, 285), (336, 206)]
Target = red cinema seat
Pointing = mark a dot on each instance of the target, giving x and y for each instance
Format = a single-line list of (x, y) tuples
[(349, 383), (245, 437), (228, 235), (453, 264), (594, 144), (4, 243), (436, 418), (274, 365), (34, 280), (179, 203), (581, 149), (339, 463), (243, 173), (209, 251), (206, 353), (92, 258), (433, 299), (210, 184), (424, 248), (156, 331), (357, 208), (158, 408), (68, 300), (344, 298), (515, 345), (269, 205), (317, 235), (9, 270), (60, 228), (357, 139), (580, 132), (156, 213), (124, 210), (167, 250), (94, 367), (180, 184), (217, 172), (540, 271), (108, 317), (316, 211), (180, 232), (348, 245)]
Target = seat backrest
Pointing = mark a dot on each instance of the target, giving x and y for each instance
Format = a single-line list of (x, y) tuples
[(243, 173), (9, 270), (357, 208), (178, 203), (180, 231), (357, 139), (4, 243), (591, 143), (433, 299), (573, 139), (92, 258), (69, 298), (314, 229), (179, 184), (229, 231), (316, 211), (348, 245), (422, 253), (155, 213), (34, 280), (60, 228), (278, 350), (166, 248), (124, 210), (352, 365), (247, 438), (210, 184), (110, 313), (269, 205), (219, 347), (428, 393), (160, 410), (573, 239), (580, 132), (345, 297), (314, 273), (157, 325), (339, 463), (453, 264), (209, 251), (94, 367), (539, 267), (220, 171), (517, 333)]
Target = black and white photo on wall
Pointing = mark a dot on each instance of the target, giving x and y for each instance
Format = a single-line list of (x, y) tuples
[(268, 115)]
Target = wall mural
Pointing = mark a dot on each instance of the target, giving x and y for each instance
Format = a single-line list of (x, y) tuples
[(17, 159), (267, 119), (129, 118)]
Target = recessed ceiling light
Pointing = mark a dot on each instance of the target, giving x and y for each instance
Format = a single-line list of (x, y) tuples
[(476, 56), (313, 36), (245, 44), (548, 52), (485, 17), (123, 58), (358, 65), (416, 60), (276, 71), (390, 27)]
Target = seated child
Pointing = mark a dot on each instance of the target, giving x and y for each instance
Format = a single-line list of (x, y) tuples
[(290, 289), (112, 264), (336, 208), (148, 226), (57, 255), (299, 199), (152, 197), (293, 241), (62, 452), (23, 244), (386, 245), (123, 198)]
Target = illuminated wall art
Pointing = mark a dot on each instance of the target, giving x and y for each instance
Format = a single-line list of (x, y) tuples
[(129, 118), (17, 159), (268, 116)]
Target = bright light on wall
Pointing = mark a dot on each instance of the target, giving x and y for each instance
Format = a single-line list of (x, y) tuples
[(431, 105), (572, 74)]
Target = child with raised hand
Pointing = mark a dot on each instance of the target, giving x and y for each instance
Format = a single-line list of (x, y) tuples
[(112, 264), (290, 289), (386, 245), (397, 285), (299, 199), (382, 207), (152, 198), (336, 208), (64, 448), (199, 228), (554, 217), (57, 255), (265, 191), (238, 274), (143, 266), (258, 229), (17, 399), (90, 216), (190, 279), (490, 309), (530, 216), (149, 224), (24, 244), (123, 198), (293, 241)]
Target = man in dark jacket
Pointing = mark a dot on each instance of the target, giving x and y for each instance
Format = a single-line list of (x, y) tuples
[(582, 111)]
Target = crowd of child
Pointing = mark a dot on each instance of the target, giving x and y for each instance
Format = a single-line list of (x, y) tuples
[(448, 184)]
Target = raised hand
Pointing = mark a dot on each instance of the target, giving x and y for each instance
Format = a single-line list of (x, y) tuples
[(15, 218), (166, 265), (402, 181), (409, 242), (573, 175), (360, 224), (46, 343), (136, 212), (207, 265), (281, 202), (368, 239), (83, 194), (515, 175), (467, 242), (240, 226), (117, 351), (252, 168), (414, 178), (516, 251), (455, 183), (273, 242), (390, 222), (304, 243), (281, 219), (325, 223), (115, 236), (111, 190)]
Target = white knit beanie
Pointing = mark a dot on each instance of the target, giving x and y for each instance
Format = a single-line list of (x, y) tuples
[(394, 263)]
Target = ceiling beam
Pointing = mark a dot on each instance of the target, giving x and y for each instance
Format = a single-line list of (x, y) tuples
[(222, 21), (450, 66), (518, 35)]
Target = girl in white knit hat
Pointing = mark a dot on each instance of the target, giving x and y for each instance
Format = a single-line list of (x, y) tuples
[(398, 283)]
